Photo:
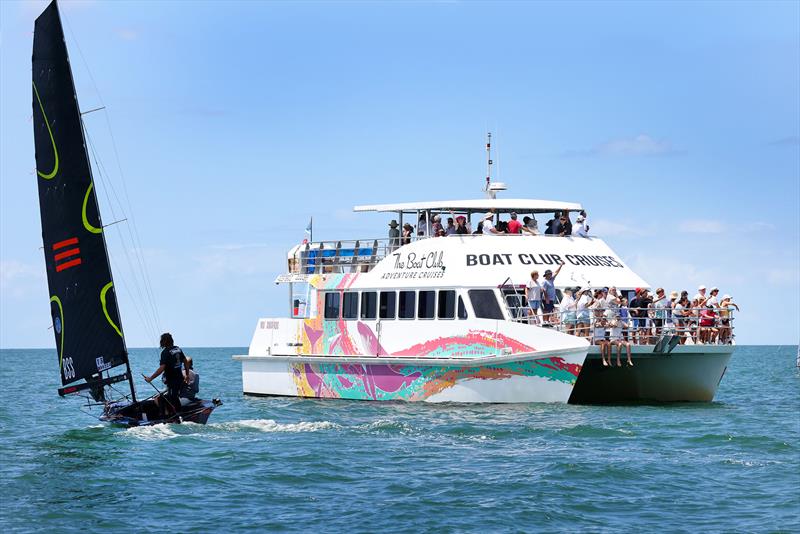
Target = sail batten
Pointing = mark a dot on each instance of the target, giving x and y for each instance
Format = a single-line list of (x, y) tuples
[(86, 322)]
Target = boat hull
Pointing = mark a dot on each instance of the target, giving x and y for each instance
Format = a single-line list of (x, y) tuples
[(522, 379), (146, 413), (690, 373)]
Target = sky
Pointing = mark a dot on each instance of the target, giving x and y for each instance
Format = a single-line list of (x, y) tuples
[(228, 125)]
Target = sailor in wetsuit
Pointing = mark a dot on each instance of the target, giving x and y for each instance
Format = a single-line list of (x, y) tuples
[(172, 359)]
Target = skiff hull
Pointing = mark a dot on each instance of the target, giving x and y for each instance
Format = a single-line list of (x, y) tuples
[(145, 413)]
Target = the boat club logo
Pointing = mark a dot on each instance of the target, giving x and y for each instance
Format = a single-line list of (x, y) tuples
[(417, 265)]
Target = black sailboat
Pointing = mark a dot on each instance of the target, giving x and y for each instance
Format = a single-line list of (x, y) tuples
[(92, 355)]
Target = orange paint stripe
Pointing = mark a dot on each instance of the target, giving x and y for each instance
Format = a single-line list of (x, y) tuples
[(68, 264), (67, 253), (66, 243)]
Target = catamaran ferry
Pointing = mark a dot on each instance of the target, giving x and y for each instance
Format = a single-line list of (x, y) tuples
[(444, 319)]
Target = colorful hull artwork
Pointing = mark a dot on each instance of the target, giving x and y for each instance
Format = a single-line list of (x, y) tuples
[(413, 382)]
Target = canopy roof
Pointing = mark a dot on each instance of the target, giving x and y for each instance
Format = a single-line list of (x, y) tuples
[(519, 205)]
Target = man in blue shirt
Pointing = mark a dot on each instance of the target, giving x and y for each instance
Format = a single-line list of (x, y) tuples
[(549, 296)]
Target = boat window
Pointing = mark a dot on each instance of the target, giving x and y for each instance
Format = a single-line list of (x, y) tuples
[(406, 307), (462, 310), (447, 304), (332, 305), (484, 303), (387, 307), (426, 306), (350, 305), (368, 304)]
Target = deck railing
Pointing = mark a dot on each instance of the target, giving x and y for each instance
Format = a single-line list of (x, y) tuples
[(654, 323)]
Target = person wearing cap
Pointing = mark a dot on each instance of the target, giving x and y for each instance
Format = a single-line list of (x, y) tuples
[(549, 295), (580, 230), (488, 225), (514, 226), (712, 299), (533, 294), (700, 296), (394, 235)]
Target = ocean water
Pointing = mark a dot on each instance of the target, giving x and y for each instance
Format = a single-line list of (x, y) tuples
[(289, 464)]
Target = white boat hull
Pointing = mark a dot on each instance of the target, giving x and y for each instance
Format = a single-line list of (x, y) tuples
[(525, 378)]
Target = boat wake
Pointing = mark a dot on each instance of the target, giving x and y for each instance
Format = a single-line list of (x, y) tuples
[(270, 425)]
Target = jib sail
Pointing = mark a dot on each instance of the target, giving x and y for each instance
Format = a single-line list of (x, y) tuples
[(83, 302)]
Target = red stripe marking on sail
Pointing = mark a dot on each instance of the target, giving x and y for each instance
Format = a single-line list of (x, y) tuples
[(67, 253), (68, 264), (65, 243)]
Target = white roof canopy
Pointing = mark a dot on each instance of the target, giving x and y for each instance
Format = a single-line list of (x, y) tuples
[(519, 205)]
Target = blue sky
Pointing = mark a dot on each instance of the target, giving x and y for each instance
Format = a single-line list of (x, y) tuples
[(677, 126)]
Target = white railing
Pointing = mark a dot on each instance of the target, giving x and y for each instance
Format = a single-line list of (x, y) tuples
[(645, 329)]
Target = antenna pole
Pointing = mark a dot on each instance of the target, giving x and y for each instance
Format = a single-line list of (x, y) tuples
[(488, 159)]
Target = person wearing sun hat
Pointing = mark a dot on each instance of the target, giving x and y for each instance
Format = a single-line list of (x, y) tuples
[(488, 225), (712, 299), (394, 235), (726, 307), (700, 296)]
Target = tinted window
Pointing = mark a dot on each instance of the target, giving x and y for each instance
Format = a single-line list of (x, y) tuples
[(387, 305), (447, 304), (350, 306), (331, 305), (406, 310), (369, 301), (426, 306), (484, 303), (462, 310)]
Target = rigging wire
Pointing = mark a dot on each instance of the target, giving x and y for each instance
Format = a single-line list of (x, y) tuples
[(132, 228)]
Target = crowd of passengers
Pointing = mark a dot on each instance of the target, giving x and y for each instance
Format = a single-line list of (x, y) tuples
[(559, 225), (607, 319)]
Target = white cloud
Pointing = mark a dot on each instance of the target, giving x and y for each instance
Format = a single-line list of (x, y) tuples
[(127, 34), (702, 226), (639, 145), (18, 279), (606, 228)]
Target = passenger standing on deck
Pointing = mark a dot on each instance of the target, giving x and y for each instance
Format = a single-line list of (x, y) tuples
[(584, 300), (451, 227), (554, 225), (394, 235), (408, 231), (549, 295), (172, 359), (461, 225), (726, 307), (531, 225), (660, 310), (422, 225), (599, 326), (712, 299), (514, 226), (437, 230), (488, 226), (568, 315), (533, 294), (638, 314), (700, 298), (566, 225), (579, 230)]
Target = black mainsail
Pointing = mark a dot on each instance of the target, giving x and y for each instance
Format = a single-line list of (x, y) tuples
[(83, 303)]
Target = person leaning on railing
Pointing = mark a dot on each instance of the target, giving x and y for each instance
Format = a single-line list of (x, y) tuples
[(726, 307)]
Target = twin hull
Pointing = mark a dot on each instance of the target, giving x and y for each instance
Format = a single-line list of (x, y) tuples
[(361, 360)]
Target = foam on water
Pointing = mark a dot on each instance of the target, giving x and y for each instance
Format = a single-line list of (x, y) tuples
[(270, 425)]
